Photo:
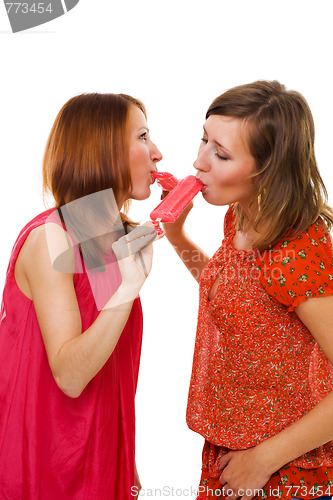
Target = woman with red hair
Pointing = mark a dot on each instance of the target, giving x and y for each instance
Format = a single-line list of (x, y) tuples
[(71, 319)]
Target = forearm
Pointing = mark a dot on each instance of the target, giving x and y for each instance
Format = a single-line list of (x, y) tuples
[(309, 432), (194, 258), (81, 357)]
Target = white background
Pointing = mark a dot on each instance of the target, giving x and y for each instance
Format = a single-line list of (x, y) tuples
[(175, 56)]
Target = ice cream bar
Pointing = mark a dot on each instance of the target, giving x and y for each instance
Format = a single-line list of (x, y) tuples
[(165, 180), (175, 202)]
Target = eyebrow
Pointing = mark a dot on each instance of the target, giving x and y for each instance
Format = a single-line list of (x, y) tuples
[(220, 145), (144, 128)]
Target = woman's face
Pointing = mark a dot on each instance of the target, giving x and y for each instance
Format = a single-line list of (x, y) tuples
[(143, 155), (224, 163)]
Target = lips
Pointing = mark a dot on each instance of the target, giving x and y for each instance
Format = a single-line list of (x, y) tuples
[(204, 185)]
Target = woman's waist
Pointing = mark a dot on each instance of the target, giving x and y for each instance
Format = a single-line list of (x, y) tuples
[(243, 417)]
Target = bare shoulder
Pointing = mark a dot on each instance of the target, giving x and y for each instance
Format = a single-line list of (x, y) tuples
[(49, 246), (51, 290), (46, 256)]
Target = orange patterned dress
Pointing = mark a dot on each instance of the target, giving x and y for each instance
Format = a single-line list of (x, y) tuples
[(256, 367)]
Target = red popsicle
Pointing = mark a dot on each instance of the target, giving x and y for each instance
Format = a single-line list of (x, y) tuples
[(165, 180), (175, 202)]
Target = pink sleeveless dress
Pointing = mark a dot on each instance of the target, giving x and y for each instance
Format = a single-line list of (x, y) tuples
[(53, 447)]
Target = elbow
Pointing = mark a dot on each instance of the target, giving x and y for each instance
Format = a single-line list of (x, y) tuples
[(72, 394), (69, 388)]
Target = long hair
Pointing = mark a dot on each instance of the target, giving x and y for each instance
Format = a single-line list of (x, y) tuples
[(87, 149), (87, 152), (279, 132)]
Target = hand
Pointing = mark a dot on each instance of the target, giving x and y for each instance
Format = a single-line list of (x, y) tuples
[(134, 253), (244, 473)]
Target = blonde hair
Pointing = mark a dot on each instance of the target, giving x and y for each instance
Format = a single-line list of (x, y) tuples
[(279, 132)]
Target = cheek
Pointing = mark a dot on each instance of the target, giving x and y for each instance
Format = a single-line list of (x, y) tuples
[(233, 176), (135, 161), (226, 177), (138, 155)]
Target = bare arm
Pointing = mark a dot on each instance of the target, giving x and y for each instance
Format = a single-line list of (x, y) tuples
[(252, 468), (74, 357), (316, 427)]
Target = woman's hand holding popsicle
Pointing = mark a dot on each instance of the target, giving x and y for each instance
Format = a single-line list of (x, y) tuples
[(174, 229), (175, 205), (134, 253), (172, 212)]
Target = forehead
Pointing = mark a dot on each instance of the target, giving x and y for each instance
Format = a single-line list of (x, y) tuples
[(137, 119), (226, 130)]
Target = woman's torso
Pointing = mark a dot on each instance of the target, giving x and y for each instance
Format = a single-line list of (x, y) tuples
[(52, 446), (256, 367)]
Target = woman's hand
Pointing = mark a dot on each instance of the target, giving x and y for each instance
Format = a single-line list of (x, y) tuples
[(192, 256), (134, 253), (244, 473)]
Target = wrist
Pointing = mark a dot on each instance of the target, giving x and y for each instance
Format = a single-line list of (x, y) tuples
[(174, 234), (129, 291), (268, 456), (125, 294)]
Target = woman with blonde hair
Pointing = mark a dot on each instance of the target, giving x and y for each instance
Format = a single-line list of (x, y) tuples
[(71, 318), (262, 378)]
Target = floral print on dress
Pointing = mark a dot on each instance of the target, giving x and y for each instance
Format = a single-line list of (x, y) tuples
[(298, 269), (256, 367)]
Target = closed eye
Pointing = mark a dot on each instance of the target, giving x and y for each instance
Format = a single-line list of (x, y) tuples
[(224, 158), (221, 157)]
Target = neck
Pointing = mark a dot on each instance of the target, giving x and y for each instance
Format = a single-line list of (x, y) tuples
[(250, 212), (247, 228)]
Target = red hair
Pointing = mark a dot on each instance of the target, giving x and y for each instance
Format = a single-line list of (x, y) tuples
[(88, 147)]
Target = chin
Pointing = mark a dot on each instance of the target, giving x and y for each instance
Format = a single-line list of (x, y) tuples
[(140, 196), (217, 202)]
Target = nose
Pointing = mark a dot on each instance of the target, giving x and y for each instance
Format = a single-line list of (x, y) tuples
[(155, 154), (201, 163)]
